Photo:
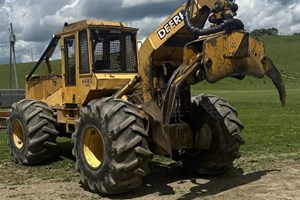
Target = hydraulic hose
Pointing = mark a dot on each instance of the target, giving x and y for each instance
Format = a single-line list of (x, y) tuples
[(230, 24)]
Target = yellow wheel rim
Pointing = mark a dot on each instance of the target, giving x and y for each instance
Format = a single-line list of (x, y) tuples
[(18, 134), (93, 147)]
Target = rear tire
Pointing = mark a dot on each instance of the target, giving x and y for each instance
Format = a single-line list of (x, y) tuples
[(220, 119), (31, 132), (110, 146)]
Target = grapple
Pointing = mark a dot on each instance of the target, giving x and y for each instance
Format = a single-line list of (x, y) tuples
[(220, 55), (238, 54)]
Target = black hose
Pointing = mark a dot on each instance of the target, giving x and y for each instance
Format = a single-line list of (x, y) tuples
[(230, 24)]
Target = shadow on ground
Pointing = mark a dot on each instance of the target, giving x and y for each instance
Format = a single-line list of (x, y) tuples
[(162, 175), (164, 178)]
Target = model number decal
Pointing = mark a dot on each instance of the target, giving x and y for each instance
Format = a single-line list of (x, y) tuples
[(177, 19), (87, 81)]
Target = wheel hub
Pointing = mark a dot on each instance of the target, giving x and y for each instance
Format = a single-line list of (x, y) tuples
[(18, 134), (93, 147)]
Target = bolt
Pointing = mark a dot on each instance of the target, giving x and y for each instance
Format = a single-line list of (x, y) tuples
[(208, 63)]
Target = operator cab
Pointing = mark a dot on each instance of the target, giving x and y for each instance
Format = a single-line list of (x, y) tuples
[(112, 48), (98, 58)]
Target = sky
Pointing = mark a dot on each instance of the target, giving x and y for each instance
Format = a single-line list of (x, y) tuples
[(35, 21)]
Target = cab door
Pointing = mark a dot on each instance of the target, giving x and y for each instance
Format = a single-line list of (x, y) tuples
[(69, 66)]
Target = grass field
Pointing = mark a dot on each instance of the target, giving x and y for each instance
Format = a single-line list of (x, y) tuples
[(22, 70), (272, 132)]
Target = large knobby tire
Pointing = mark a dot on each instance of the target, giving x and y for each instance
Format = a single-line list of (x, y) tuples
[(111, 149), (214, 115), (31, 132)]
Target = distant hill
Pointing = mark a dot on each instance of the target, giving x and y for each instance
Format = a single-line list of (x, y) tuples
[(283, 50), (22, 70)]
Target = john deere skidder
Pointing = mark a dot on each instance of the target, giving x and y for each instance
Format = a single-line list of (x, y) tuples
[(122, 105)]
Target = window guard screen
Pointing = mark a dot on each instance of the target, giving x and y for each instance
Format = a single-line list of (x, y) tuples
[(113, 52), (70, 73), (83, 53)]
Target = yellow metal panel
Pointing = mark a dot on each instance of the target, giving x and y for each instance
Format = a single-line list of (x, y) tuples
[(55, 99), (113, 76), (113, 81), (69, 95), (233, 54), (41, 88), (167, 29)]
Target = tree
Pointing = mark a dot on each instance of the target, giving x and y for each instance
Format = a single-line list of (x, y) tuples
[(269, 31), (296, 33)]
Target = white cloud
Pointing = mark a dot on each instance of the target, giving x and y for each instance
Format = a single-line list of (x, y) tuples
[(131, 3), (270, 13), (35, 21), (146, 25)]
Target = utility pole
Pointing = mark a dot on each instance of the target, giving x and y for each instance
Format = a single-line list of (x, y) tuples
[(12, 40), (31, 52)]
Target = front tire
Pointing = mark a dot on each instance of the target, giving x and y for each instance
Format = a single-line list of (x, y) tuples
[(31, 132), (110, 146)]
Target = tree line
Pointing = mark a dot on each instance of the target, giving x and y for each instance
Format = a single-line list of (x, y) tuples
[(263, 31), (269, 31)]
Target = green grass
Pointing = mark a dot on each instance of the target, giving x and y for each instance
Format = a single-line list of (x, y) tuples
[(23, 69), (269, 127), (284, 51), (60, 170)]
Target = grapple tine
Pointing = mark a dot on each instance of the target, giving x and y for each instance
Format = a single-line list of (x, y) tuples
[(273, 73)]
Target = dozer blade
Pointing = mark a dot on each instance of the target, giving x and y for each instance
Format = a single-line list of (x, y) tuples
[(236, 55)]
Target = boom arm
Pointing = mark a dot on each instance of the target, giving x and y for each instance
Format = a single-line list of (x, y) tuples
[(166, 43)]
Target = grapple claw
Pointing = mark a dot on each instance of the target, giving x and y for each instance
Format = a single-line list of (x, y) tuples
[(276, 77)]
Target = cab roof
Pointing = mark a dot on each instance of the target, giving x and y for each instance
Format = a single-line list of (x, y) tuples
[(90, 23)]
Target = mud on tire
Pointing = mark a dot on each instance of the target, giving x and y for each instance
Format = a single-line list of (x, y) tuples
[(31, 132), (221, 118), (110, 146)]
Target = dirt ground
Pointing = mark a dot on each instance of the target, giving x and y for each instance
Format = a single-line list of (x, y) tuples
[(168, 182)]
